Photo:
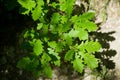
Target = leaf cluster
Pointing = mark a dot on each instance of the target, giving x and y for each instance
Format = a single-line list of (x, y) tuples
[(62, 37)]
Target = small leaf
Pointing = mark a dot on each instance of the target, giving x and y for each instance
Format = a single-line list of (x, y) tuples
[(90, 26), (45, 29), (78, 65), (73, 33), (67, 38), (63, 19), (69, 55), (57, 62), (54, 4), (52, 52), (36, 13), (82, 47), (45, 58), (47, 71), (52, 44), (27, 4), (23, 63), (32, 65), (88, 15), (62, 5), (69, 7), (37, 48), (74, 19), (91, 61), (83, 35), (60, 46), (39, 26), (91, 46), (55, 57), (55, 18), (40, 2), (37, 73), (85, 24)]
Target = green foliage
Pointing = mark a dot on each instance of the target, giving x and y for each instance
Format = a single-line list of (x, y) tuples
[(23, 62), (59, 36), (69, 55), (37, 47), (78, 65)]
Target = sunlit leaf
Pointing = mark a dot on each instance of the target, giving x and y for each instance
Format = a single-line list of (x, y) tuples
[(36, 13), (74, 33), (69, 55), (83, 34), (52, 44), (92, 46), (88, 15), (78, 65), (27, 4), (55, 18), (38, 48), (91, 61), (39, 26)]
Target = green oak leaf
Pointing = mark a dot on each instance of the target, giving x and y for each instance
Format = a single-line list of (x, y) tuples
[(33, 64), (73, 33), (88, 15), (69, 7), (69, 55), (45, 58), (92, 46), (86, 24), (37, 47), (52, 44), (23, 63), (39, 26), (83, 34), (47, 71), (90, 60), (67, 38), (57, 62), (27, 4), (78, 65), (36, 13), (56, 55), (55, 18), (52, 52)]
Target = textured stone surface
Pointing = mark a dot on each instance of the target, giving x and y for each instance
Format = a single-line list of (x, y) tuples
[(112, 23)]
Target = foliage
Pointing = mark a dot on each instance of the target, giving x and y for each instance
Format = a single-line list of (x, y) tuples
[(59, 36)]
